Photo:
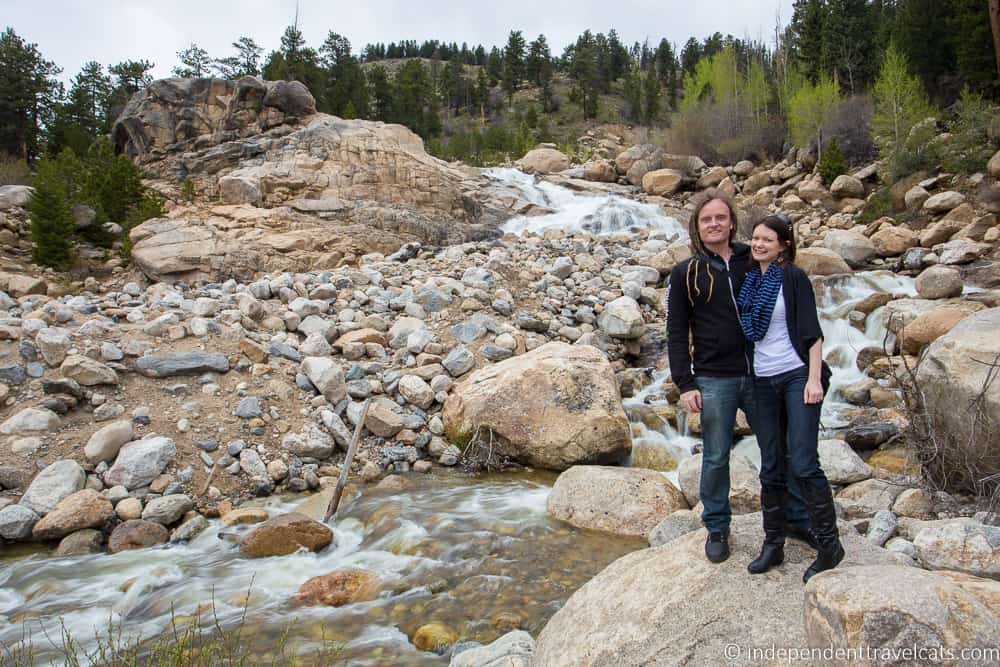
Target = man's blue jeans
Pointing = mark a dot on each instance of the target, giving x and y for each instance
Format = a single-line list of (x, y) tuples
[(720, 398), (787, 432)]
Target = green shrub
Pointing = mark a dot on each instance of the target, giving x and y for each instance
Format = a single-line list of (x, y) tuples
[(187, 190), (918, 152), (879, 204), (970, 146), (51, 221), (832, 164), (13, 171)]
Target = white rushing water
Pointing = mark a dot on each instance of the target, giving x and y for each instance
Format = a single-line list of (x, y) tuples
[(575, 212)]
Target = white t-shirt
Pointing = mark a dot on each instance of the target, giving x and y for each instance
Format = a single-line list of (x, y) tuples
[(774, 354)]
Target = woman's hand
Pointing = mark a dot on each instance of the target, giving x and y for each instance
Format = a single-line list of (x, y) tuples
[(813, 392)]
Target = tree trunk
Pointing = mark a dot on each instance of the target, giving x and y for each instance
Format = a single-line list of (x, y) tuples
[(995, 24)]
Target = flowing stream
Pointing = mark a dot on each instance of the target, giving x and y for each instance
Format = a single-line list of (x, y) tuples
[(475, 552)]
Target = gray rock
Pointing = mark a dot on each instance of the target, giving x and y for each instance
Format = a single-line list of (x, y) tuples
[(251, 463), (675, 525), (327, 376), (881, 527), (337, 428), (622, 318), (140, 462), (841, 464), (248, 408), (459, 361), (495, 352), (962, 544), (870, 436), (468, 331), (16, 522), (13, 375), (184, 363), (57, 481), (53, 343), (168, 509), (513, 649), (190, 529), (312, 442)]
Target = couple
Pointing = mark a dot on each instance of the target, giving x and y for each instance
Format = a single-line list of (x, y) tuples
[(749, 314)]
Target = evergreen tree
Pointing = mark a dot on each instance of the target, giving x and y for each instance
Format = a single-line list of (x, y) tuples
[(28, 95), (585, 74), (618, 58), (539, 57), (922, 34), (690, 55), (51, 220), (974, 55), (806, 37), (513, 64), (414, 103), (245, 62), (666, 70), (454, 87), (194, 62), (130, 76), (848, 39), (381, 93), (651, 97), (632, 90), (494, 66), (84, 115), (345, 82)]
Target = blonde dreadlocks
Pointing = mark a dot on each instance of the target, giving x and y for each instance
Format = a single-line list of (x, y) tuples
[(699, 253)]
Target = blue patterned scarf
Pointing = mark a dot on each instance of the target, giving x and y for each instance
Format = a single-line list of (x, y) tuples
[(757, 298)]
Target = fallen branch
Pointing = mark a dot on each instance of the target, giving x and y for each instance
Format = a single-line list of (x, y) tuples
[(339, 491)]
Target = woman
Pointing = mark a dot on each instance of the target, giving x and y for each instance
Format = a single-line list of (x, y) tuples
[(778, 314)]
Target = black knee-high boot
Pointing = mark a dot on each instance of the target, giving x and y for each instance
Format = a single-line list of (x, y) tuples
[(772, 553), (829, 550)]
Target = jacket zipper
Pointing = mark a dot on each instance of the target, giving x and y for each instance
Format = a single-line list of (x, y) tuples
[(732, 295)]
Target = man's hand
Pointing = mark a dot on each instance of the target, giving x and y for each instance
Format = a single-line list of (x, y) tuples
[(691, 401)]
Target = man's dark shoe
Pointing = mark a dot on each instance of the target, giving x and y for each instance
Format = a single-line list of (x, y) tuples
[(801, 533), (717, 546)]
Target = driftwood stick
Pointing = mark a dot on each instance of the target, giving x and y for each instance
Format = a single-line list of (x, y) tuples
[(208, 480), (351, 450)]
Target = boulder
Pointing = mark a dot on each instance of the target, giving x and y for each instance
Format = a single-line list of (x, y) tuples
[(856, 248), (327, 376), (744, 483), (57, 481), (136, 534), (602, 171), (662, 182), (817, 261), (285, 534), (16, 522), (952, 376), (863, 499), (891, 241), (963, 545), (107, 441), (623, 501), (900, 610), (756, 182), (929, 326), (626, 159), (183, 363), (416, 391), (847, 186), (841, 464), (80, 543), (140, 462), (338, 588), (675, 525), (543, 161), (167, 510), (622, 318), (88, 372), (15, 196), (513, 649), (940, 232), (80, 510), (712, 177), (30, 420), (553, 407), (697, 608), (53, 343), (938, 282), (943, 202)]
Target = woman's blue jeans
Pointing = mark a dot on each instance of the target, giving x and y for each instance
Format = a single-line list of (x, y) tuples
[(788, 433), (720, 398)]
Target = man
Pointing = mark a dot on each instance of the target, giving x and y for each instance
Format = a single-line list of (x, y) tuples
[(702, 314)]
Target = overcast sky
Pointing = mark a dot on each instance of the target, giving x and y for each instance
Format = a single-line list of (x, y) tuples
[(75, 31)]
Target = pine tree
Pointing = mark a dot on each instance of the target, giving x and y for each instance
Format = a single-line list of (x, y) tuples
[(494, 66), (194, 62), (28, 95), (666, 70), (131, 76), (974, 56), (51, 220), (539, 57), (584, 71), (632, 92), (690, 55), (246, 61), (923, 35), (651, 97), (806, 37), (513, 64), (381, 92), (84, 115), (848, 46)]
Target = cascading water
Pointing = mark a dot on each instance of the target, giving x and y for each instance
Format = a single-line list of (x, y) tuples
[(574, 212)]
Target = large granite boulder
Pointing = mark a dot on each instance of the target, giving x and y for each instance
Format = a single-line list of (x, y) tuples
[(963, 397), (554, 407), (83, 509), (818, 261), (285, 534), (892, 609), (57, 481), (543, 161), (744, 482), (668, 605), (140, 462), (623, 501), (856, 248), (963, 544)]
